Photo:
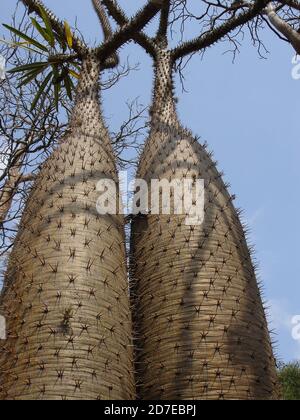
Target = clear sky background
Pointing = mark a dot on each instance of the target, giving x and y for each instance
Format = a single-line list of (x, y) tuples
[(248, 112)]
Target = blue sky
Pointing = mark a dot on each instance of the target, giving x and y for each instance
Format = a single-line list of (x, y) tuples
[(248, 112)]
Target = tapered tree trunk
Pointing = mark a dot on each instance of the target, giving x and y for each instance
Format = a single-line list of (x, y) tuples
[(65, 296), (200, 324)]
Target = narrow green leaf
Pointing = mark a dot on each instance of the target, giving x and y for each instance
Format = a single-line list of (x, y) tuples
[(43, 32), (55, 72), (41, 91), (23, 45), (61, 41), (26, 37), (48, 26), (28, 77), (68, 86), (57, 88), (32, 66)]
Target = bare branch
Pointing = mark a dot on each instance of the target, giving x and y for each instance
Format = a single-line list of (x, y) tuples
[(27, 178), (112, 61), (214, 35), (26, 136), (292, 3), (130, 135), (283, 27), (121, 19), (136, 24)]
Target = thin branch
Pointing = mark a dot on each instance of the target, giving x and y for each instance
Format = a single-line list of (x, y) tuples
[(121, 19), (112, 61), (291, 34), (213, 36), (278, 34), (27, 178), (292, 3)]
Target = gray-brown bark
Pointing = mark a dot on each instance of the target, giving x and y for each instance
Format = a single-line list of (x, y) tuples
[(65, 295), (200, 325), (10, 189), (283, 27)]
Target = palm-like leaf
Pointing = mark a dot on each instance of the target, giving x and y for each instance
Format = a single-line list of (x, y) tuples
[(48, 29), (30, 67), (43, 90), (69, 35), (27, 38), (44, 32), (30, 76), (52, 44)]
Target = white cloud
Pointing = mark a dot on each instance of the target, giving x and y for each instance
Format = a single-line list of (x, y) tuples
[(252, 222), (255, 217), (279, 315), (281, 319)]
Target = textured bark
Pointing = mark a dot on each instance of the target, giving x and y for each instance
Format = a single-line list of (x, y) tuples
[(283, 27), (65, 296), (10, 187), (140, 37), (104, 21), (200, 325), (8, 192)]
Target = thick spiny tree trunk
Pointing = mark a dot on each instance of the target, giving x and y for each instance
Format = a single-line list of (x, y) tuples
[(65, 297), (200, 324)]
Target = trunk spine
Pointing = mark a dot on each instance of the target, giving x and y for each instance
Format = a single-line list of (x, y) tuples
[(87, 113), (163, 111)]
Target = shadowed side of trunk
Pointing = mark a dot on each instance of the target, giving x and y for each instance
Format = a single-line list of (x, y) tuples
[(65, 296), (200, 325)]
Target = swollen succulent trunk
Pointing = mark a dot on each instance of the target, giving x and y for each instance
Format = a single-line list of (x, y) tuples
[(200, 324), (66, 300)]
